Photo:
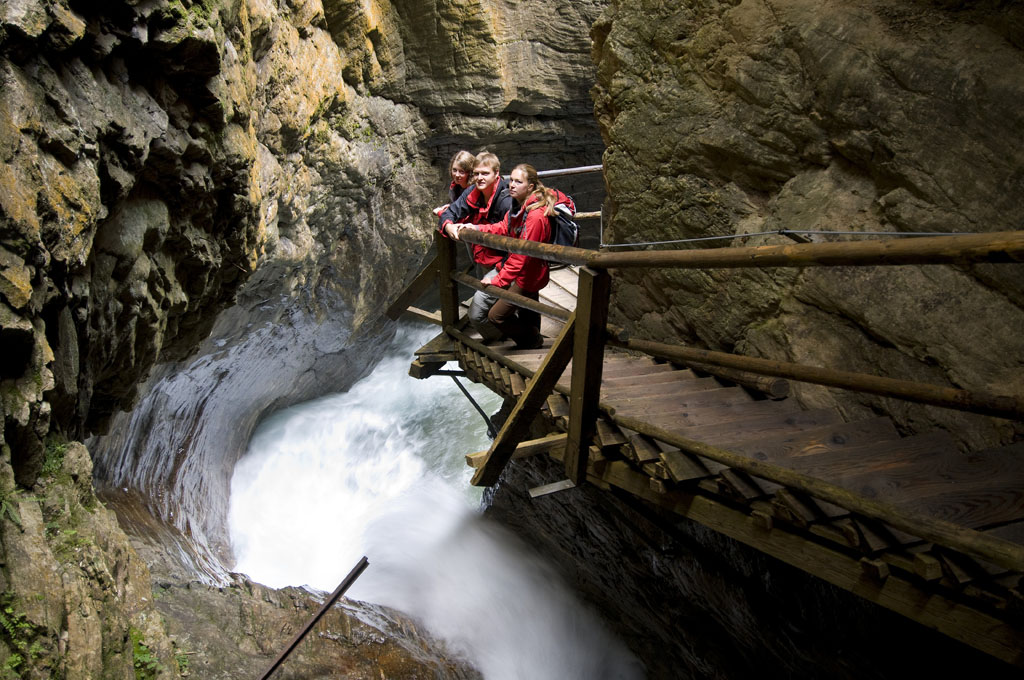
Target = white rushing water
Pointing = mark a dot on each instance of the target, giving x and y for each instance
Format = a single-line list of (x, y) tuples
[(380, 471)]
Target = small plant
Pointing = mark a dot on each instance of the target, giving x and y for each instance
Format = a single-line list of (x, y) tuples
[(147, 665), (54, 459), (9, 509), (181, 658), (20, 635)]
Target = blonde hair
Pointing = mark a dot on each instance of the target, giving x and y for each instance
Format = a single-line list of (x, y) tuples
[(545, 197), (488, 160), (463, 160)]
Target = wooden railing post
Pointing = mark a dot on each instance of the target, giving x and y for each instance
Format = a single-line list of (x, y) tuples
[(448, 292), (587, 362)]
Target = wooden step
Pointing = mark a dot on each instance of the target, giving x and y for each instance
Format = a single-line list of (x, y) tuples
[(663, 391), (677, 375), (868, 468), (817, 440), (722, 397), (685, 417), (975, 490), (765, 425)]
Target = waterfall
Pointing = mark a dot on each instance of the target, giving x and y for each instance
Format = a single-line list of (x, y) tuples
[(380, 471)]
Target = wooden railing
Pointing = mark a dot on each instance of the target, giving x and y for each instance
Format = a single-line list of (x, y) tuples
[(585, 334)]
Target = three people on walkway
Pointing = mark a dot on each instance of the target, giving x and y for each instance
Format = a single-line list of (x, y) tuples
[(528, 218)]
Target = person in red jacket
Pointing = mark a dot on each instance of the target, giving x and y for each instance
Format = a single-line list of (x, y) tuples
[(522, 274), (485, 202)]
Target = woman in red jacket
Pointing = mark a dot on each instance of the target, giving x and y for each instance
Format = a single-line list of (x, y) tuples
[(522, 274)]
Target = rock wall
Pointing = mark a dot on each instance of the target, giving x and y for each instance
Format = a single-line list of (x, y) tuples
[(204, 206), (726, 118)]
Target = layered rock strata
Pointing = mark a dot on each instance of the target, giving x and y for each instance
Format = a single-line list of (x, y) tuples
[(729, 118)]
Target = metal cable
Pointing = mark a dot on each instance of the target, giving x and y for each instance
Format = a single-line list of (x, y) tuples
[(492, 432), (783, 232)]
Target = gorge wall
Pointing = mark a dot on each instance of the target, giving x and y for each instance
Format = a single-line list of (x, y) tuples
[(203, 208)]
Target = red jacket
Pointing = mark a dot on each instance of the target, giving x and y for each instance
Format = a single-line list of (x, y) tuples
[(529, 273), (472, 208)]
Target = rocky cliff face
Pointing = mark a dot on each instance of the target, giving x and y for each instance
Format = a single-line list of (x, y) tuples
[(204, 206), (732, 118)]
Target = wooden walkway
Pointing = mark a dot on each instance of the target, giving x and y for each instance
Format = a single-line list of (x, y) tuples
[(970, 599)]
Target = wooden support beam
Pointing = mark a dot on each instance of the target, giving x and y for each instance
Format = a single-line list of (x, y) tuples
[(420, 369), (588, 362), (424, 315), (525, 449), (977, 545), (447, 288), (518, 422), (950, 616), (424, 280)]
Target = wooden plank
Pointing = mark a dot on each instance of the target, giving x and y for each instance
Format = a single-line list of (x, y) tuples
[(588, 363), (559, 408), (608, 435), (678, 375), (976, 491), (420, 369), (423, 315), (817, 440), (712, 415), (664, 389), (673, 402), (683, 467), (768, 425), (644, 450), (544, 490), (441, 343), (525, 449), (518, 422), (518, 384), (419, 285)]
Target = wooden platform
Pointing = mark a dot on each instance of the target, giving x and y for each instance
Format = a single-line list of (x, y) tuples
[(970, 599)]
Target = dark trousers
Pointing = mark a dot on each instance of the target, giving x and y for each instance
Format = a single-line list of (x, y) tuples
[(522, 325)]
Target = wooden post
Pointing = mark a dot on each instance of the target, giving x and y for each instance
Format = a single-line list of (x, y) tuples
[(448, 292), (588, 359), (517, 425)]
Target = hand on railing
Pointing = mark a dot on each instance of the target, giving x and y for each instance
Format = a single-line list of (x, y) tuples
[(453, 229)]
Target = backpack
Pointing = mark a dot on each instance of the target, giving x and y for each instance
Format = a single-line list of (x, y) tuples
[(564, 230)]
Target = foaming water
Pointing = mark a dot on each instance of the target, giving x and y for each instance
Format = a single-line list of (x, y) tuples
[(380, 471)]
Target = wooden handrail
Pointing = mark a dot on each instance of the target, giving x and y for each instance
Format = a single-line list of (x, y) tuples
[(504, 294), (1000, 247), (949, 397)]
